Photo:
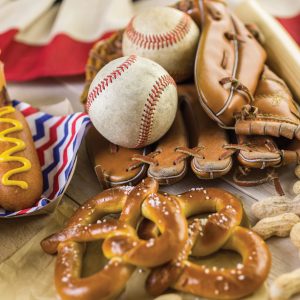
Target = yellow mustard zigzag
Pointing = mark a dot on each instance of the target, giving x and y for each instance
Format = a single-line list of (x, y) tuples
[(7, 156)]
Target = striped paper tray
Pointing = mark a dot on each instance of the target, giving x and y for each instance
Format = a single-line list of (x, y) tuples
[(57, 140)]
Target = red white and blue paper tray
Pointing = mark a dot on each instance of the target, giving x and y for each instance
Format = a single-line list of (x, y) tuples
[(57, 140)]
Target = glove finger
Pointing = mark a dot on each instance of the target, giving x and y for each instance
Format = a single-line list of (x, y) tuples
[(207, 140), (112, 163)]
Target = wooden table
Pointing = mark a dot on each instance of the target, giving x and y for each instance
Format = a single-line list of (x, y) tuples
[(16, 234), (26, 273)]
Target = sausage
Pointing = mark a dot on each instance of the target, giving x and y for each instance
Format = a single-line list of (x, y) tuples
[(21, 182)]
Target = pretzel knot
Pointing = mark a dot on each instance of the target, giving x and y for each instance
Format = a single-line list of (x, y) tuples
[(152, 231), (221, 230), (121, 244)]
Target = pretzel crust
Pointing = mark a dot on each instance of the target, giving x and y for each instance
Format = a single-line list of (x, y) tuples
[(221, 230), (121, 245), (227, 212), (128, 243), (234, 283), (215, 282)]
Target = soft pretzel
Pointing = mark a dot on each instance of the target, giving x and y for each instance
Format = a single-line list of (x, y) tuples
[(150, 224), (121, 243), (21, 180), (215, 282), (227, 212)]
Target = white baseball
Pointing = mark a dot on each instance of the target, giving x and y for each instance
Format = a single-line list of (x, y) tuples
[(165, 35), (132, 101)]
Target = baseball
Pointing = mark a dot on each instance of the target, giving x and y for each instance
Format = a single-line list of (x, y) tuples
[(165, 35), (132, 101)]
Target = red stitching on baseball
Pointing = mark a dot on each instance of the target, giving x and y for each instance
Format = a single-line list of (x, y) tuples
[(157, 41), (149, 109), (100, 87)]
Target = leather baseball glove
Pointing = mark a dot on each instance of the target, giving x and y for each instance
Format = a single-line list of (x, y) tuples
[(226, 77), (240, 92), (192, 134), (272, 97), (235, 87), (167, 160), (263, 151)]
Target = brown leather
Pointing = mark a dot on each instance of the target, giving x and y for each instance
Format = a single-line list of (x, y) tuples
[(244, 176), (189, 7), (116, 165), (263, 151), (226, 50), (206, 135), (292, 153), (169, 167), (272, 100), (111, 162), (274, 112), (259, 152)]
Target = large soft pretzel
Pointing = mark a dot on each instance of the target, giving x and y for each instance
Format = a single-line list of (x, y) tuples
[(221, 230), (216, 282), (121, 243), (128, 242), (226, 213)]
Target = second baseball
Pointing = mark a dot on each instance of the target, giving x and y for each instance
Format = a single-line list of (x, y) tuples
[(165, 35), (132, 101)]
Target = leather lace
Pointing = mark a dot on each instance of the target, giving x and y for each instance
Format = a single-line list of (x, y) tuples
[(234, 36), (187, 152), (234, 83), (271, 176), (143, 159)]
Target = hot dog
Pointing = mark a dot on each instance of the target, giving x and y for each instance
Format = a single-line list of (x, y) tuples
[(21, 180)]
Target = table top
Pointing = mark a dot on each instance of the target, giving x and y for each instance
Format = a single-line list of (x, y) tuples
[(21, 237)]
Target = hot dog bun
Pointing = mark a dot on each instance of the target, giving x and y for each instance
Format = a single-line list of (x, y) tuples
[(21, 182)]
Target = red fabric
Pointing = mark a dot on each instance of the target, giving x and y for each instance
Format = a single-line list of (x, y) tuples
[(292, 25), (63, 56), (6, 38)]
